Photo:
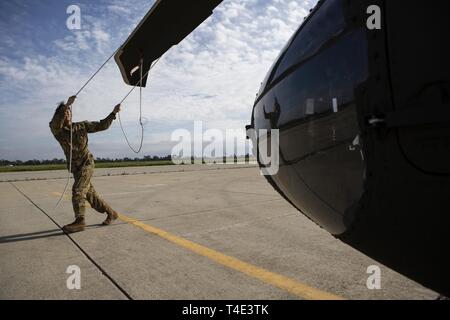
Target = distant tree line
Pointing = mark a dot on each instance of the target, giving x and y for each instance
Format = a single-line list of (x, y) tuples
[(30, 162), (63, 161), (126, 159), (229, 159)]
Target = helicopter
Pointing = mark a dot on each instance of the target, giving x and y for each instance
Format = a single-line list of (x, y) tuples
[(362, 120)]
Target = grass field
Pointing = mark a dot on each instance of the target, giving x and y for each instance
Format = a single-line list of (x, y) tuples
[(48, 167), (97, 165)]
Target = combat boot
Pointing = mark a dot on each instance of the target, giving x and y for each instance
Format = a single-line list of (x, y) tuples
[(76, 226), (112, 215)]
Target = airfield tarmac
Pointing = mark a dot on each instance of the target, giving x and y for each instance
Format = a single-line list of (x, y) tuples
[(185, 232)]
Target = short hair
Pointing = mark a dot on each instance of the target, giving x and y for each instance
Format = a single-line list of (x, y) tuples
[(60, 104)]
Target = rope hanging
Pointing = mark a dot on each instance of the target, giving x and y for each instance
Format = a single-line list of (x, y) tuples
[(96, 72), (142, 76), (140, 115), (70, 164), (71, 133)]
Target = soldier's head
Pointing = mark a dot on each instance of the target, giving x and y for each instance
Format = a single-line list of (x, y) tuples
[(67, 115)]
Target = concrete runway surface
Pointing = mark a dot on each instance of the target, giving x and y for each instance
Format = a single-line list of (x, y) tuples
[(185, 232)]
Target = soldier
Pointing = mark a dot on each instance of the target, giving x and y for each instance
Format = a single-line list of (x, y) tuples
[(82, 162)]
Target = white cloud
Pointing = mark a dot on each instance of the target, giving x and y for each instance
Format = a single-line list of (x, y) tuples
[(118, 9), (213, 75)]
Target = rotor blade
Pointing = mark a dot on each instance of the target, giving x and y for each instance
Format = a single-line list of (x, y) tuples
[(166, 24)]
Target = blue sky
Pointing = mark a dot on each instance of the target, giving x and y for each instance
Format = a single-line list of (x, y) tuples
[(212, 76)]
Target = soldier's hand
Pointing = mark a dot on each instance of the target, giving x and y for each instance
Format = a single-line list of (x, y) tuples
[(117, 109), (71, 100)]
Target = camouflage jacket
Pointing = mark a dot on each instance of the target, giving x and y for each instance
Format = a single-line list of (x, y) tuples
[(81, 156)]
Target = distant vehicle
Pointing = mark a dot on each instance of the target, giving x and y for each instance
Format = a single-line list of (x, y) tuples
[(364, 130)]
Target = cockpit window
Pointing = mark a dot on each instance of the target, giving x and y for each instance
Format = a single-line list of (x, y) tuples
[(322, 27)]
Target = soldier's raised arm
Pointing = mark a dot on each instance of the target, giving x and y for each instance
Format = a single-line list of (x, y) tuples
[(58, 119), (96, 126)]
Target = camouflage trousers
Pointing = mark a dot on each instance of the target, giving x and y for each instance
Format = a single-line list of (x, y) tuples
[(83, 191)]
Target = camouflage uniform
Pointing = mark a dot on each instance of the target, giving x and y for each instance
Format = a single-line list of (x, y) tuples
[(82, 159)]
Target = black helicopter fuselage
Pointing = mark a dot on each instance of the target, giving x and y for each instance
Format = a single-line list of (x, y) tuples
[(363, 118)]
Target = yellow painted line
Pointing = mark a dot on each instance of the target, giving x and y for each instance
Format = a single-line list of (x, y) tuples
[(295, 287)]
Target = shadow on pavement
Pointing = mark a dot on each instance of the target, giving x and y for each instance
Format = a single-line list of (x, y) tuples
[(39, 234)]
